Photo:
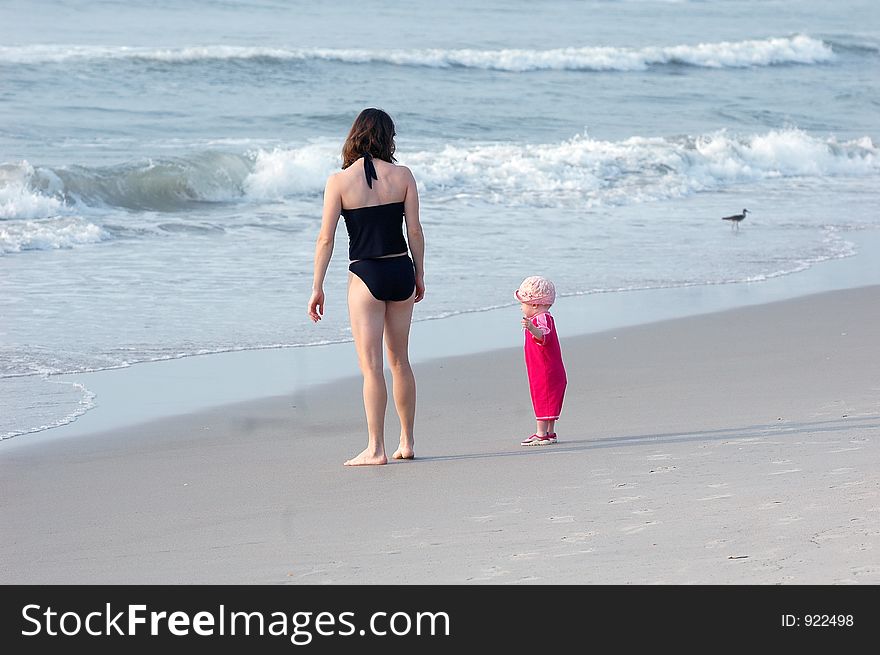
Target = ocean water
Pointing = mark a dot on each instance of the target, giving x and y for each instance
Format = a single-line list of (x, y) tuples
[(162, 163)]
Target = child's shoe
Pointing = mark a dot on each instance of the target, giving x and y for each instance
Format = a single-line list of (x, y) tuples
[(536, 440), (552, 437)]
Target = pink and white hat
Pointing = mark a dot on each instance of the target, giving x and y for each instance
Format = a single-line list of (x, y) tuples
[(536, 290)]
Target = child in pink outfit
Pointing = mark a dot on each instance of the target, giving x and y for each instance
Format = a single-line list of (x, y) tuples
[(546, 372)]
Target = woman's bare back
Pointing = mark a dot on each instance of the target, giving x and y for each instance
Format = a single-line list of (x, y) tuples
[(390, 186)]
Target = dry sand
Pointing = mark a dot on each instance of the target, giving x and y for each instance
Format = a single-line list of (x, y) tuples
[(738, 447)]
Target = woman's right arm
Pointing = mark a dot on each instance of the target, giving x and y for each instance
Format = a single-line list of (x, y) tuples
[(414, 234), (324, 246)]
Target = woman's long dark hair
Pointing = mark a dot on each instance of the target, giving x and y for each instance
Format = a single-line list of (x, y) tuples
[(372, 132)]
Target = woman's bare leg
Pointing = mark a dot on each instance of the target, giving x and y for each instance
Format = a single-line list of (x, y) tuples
[(398, 319), (367, 317)]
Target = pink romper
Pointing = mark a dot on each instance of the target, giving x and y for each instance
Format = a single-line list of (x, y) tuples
[(544, 365)]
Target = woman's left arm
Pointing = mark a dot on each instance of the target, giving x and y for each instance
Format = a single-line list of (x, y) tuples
[(414, 234)]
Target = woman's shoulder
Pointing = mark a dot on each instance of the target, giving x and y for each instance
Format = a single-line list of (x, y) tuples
[(343, 178), (405, 175), (398, 170)]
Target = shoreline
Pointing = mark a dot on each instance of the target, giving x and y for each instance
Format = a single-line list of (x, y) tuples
[(149, 391), (736, 447)]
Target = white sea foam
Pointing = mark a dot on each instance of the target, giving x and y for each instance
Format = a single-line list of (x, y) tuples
[(798, 49), (34, 220), (581, 169), (18, 199), (46, 403), (279, 172), (49, 234)]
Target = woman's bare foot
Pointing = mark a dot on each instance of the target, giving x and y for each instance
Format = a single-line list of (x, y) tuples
[(366, 458), (403, 452)]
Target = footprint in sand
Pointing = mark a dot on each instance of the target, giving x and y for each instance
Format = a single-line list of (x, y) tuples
[(827, 535), (578, 537), (787, 520), (489, 573), (632, 529), (718, 497), (575, 553), (624, 499), (405, 534)]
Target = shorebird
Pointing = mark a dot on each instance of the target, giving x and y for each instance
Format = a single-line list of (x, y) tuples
[(735, 219)]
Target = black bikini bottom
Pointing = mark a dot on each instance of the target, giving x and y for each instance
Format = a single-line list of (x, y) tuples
[(388, 278)]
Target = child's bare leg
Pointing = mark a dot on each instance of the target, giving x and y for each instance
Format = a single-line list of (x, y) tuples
[(551, 427), (542, 428)]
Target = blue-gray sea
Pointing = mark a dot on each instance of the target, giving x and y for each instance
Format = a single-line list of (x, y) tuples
[(162, 162)]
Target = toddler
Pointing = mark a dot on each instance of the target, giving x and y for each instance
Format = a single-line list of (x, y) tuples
[(543, 357)]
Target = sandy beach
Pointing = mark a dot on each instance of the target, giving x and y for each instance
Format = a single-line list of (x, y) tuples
[(737, 447)]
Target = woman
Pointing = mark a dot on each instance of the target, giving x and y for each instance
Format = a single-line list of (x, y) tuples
[(376, 197)]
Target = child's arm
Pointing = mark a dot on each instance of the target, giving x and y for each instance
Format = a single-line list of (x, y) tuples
[(535, 331)]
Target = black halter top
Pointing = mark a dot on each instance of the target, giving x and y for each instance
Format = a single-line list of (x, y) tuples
[(376, 230)]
